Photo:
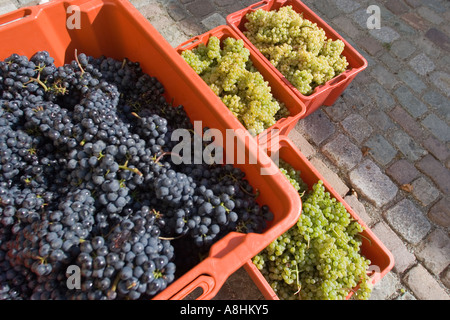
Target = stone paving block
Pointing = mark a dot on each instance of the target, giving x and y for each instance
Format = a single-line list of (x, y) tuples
[(213, 21), (224, 3), (430, 15), (371, 182), (402, 172), (424, 286), (414, 3), (438, 38), (385, 34), (369, 44), (316, 127), (382, 98), (357, 127), (442, 81), (436, 171), (416, 21), (391, 63), (422, 64), (6, 6), (176, 11), (380, 149), (440, 213), (412, 104), (339, 110), (437, 148), (403, 49), (403, 258), (345, 24), (407, 122), (437, 127), (347, 6), (438, 102), (379, 119), (412, 80), (200, 8), (408, 221), (386, 287), (424, 191), (330, 176), (342, 152), (407, 146), (397, 7), (327, 8), (384, 77), (434, 251)]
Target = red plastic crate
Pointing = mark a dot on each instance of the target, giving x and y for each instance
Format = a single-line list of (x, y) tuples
[(116, 29), (325, 94), (295, 106), (382, 260)]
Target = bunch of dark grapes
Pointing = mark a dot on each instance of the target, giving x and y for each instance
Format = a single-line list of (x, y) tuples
[(87, 183)]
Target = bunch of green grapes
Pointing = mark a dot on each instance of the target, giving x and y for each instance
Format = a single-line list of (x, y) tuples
[(230, 73), (297, 47), (319, 257)]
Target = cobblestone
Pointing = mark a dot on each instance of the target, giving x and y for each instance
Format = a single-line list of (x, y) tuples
[(380, 149), (409, 221), (342, 152), (440, 213), (424, 191), (357, 127), (422, 64), (369, 180), (436, 171), (424, 285), (407, 146), (434, 251), (316, 127), (411, 103), (402, 171), (412, 80), (437, 127)]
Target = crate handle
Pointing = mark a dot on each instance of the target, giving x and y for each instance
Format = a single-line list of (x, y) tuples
[(15, 16), (259, 5), (337, 80), (204, 282), (190, 42)]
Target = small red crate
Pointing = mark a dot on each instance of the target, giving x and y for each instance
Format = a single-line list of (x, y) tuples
[(325, 94), (382, 260)]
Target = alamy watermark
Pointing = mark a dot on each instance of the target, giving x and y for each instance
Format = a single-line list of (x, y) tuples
[(374, 20), (73, 17)]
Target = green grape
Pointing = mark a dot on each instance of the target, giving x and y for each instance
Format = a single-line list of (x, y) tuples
[(319, 257), (297, 47), (231, 75)]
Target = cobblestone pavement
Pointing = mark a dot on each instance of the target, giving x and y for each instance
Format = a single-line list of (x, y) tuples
[(395, 116)]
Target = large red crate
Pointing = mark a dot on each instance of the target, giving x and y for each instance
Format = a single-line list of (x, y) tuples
[(382, 260), (325, 94), (116, 29)]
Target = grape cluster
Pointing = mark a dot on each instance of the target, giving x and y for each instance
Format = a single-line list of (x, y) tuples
[(319, 258), (230, 73), (86, 181), (297, 47)]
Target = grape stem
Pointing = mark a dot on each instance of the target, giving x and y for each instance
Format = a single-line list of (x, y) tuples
[(134, 170), (78, 62)]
